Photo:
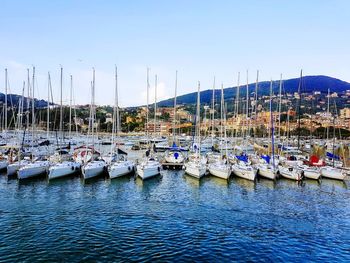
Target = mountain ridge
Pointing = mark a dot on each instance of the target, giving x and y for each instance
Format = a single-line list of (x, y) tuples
[(310, 84)]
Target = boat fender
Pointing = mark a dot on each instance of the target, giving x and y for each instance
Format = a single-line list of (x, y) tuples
[(105, 168), (72, 168), (158, 169), (129, 169), (76, 168)]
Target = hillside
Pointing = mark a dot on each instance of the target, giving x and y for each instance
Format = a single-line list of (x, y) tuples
[(310, 84)]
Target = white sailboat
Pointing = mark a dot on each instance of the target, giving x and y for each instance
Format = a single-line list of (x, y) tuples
[(13, 167), (196, 166), (242, 168), (149, 166), (121, 166), (3, 160), (310, 172), (93, 168), (265, 169), (38, 167), (333, 173), (62, 168), (174, 156), (290, 169), (221, 168), (290, 172)]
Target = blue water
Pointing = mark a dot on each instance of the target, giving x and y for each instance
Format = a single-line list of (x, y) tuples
[(173, 217)]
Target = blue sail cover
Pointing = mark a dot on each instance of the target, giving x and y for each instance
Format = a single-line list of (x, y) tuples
[(267, 158), (243, 158), (174, 147), (333, 156)]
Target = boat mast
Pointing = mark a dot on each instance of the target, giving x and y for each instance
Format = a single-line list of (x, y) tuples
[(61, 107), (256, 98), (299, 105), (155, 105), (279, 108), (247, 107), (174, 115), (272, 128), (6, 83), (147, 107), (33, 108), (93, 109), (115, 122), (198, 121), (48, 105), (334, 137), (28, 98), (221, 117), (70, 106), (237, 103), (213, 115), (328, 113)]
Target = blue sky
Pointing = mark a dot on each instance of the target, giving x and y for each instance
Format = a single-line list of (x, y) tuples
[(200, 39)]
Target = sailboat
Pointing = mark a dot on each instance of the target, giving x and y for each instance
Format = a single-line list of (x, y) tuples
[(241, 166), (149, 166), (93, 168), (290, 168), (196, 165), (265, 169), (120, 166), (37, 166), (333, 172), (62, 168), (13, 167), (221, 168), (174, 156), (3, 160)]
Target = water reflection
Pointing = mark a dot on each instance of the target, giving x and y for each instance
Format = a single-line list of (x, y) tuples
[(219, 181), (289, 183), (193, 181), (330, 183), (270, 184), (247, 185), (313, 184)]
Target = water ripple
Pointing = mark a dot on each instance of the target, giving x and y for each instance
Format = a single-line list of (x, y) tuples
[(173, 217)]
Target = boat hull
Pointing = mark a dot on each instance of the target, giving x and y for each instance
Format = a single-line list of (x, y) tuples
[(248, 174), (267, 173), (3, 164), (333, 173), (120, 169), (62, 170), (195, 171), (290, 173), (223, 172), (91, 171), (145, 172), (13, 168), (32, 170)]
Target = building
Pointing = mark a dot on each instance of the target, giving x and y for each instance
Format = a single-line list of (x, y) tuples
[(345, 113)]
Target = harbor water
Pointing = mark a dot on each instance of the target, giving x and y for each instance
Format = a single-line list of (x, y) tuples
[(173, 217)]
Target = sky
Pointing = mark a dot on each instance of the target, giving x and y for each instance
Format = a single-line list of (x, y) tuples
[(199, 39)]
